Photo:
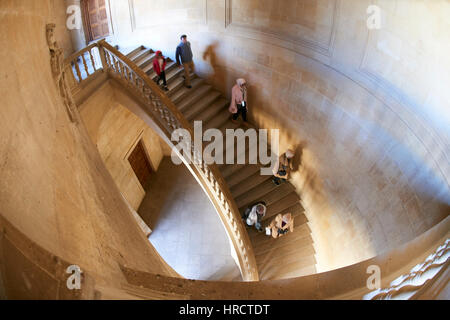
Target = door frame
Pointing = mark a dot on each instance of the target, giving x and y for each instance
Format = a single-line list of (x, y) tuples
[(140, 139), (86, 24)]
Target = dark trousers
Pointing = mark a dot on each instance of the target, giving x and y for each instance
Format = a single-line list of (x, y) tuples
[(241, 110), (162, 77), (278, 181)]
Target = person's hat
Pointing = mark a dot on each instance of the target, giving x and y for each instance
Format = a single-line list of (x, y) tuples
[(290, 154), (241, 82), (158, 53)]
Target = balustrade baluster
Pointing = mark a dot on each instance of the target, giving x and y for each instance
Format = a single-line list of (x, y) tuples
[(134, 78), (116, 66), (86, 68), (127, 74), (122, 68), (129, 77), (119, 68), (92, 60), (72, 80), (77, 69), (107, 58), (111, 62)]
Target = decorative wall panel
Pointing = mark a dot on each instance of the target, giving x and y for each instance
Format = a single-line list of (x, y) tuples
[(309, 24), (151, 13)]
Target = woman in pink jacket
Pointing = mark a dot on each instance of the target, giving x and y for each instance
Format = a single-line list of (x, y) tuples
[(239, 101)]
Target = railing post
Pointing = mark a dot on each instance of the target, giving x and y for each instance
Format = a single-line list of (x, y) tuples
[(101, 51)]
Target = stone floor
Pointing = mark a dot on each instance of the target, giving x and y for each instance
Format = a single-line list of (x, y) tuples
[(187, 232)]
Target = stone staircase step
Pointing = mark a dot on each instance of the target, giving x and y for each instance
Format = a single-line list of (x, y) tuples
[(138, 55), (301, 267), (213, 110), (202, 105), (248, 184), (300, 219), (238, 153), (176, 83), (193, 96), (300, 247), (218, 120), (267, 192), (145, 59), (292, 258), (132, 53), (282, 204), (264, 243), (242, 174), (183, 92), (229, 170)]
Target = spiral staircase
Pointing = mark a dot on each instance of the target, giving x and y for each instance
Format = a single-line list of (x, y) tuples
[(288, 256), (415, 270)]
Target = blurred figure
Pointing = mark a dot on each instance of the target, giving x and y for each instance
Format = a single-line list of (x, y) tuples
[(283, 168)]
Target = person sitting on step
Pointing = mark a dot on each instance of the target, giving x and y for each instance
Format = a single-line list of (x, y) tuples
[(280, 226), (282, 169), (239, 104), (254, 214), (159, 65)]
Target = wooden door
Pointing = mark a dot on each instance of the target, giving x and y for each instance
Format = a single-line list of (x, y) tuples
[(140, 164), (96, 19)]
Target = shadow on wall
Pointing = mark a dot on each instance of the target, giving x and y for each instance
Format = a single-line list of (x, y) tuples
[(210, 54)]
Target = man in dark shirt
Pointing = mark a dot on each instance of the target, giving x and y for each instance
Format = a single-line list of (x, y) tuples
[(184, 57)]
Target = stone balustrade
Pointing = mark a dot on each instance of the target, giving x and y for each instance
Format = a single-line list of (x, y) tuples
[(169, 119)]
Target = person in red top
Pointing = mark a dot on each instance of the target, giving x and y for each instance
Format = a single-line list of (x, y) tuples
[(159, 65)]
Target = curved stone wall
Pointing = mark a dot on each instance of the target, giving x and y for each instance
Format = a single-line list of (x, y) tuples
[(367, 108), (54, 187)]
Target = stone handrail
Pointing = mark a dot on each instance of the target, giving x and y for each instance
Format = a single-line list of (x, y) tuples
[(351, 282), (90, 61), (168, 118), (344, 283), (408, 286)]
